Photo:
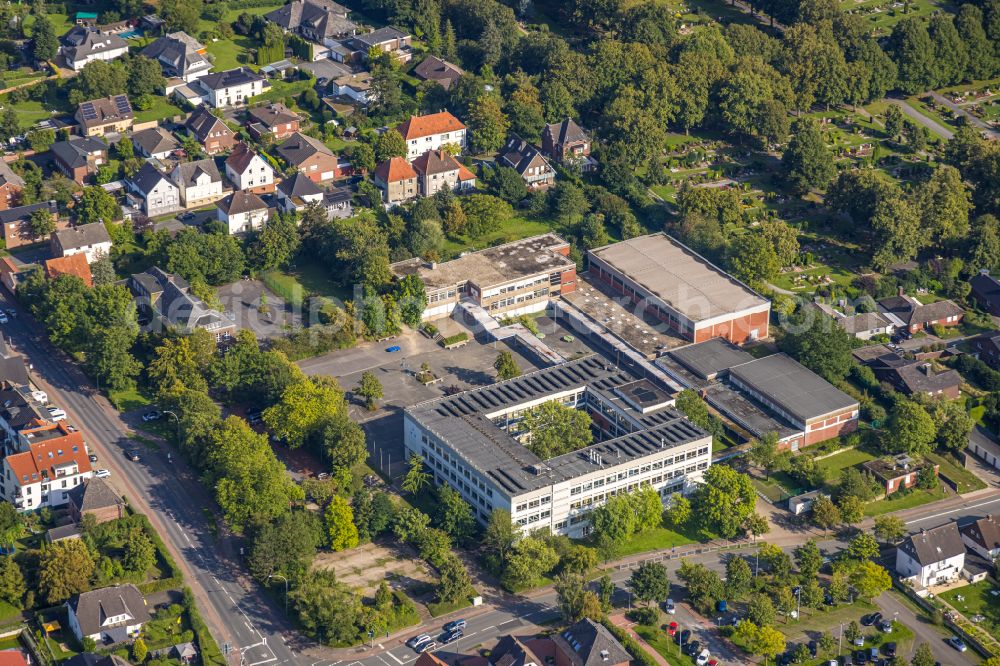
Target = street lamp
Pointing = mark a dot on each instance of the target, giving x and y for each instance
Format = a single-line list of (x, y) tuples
[(178, 422), (274, 575)]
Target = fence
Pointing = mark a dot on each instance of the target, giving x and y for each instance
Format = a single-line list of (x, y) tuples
[(674, 553), (930, 607)]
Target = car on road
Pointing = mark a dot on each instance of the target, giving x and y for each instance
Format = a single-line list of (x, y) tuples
[(885, 626), (92, 457), (254, 416), (102, 474), (671, 629), (132, 455), (426, 646), (693, 648), (151, 416), (889, 649), (872, 619), (703, 657), (454, 624), (669, 606), (57, 414), (393, 348), (452, 636), (957, 643), (417, 640)]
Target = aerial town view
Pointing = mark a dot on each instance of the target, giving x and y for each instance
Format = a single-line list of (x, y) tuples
[(499, 332)]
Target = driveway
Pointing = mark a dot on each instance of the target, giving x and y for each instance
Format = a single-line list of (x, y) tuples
[(242, 299), (975, 122), (921, 119), (895, 605)]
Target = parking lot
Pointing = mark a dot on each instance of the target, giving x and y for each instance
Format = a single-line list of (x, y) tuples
[(242, 300)]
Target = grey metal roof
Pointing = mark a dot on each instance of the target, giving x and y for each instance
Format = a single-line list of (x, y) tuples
[(934, 545), (591, 644), (376, 37), (708, 359), (147, 178), (186, 173), (241, 202), (299, 185), (82, 41), (24, 212), (793, 387), (566, 130)]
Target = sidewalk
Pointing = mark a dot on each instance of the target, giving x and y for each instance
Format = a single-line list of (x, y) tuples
[(619, 620)]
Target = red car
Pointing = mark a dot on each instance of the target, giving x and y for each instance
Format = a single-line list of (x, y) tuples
[(671, 628)]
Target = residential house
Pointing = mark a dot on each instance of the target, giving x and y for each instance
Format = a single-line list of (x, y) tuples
[(155, 142), (45, 473), (986, 292), (912, 377), (17, 223), (909, 314), (437, 170), (982, 536), (863, 325), (11, 186), (249, 171), (181, 57), (242, 212), (443, 72), (80, 157), (89, 658), (275, 119), (83, 44), (22, 416), (72, 264), (90, 240), (12, 366), (298, 192), (898, 472), (566, 142), (389, 40), (932, 557), (156, 193), (321, 21), (513, 651), (198, 182), (527, 161), (231, 87), (13, 657), (168, 299), (354, 86), (213, 134), (431, 132), (94, 497), (108, 615), (337, 201), (311, 157), (397, 180), (987, 348), (107, 115), (63, 533), (588, 643), (182, 652)]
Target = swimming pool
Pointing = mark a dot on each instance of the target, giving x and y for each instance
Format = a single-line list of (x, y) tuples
[(130, 34)]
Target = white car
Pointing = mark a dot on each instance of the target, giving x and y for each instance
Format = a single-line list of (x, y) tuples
[(703, 657), (670, 607), (3, 317), (40, 396), (102, 474), (57, 414)]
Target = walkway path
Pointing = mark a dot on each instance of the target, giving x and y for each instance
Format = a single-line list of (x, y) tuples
[(619, 620), (932, 125), (978, 122)]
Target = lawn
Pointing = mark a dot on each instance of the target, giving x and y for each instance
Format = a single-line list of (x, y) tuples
[(162, 108), (835, 464), (517, 227), (660, 538), (905, 500), (963, 478), (771, 489), (308, 277), (976, 600), (659, 641), (30, 112), (439, 609), (813, 620), (231, 53), (282, 89), (128, 399), (9, 614)]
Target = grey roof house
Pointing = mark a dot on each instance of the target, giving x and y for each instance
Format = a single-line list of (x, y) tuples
[(83, 44), (527, 161), (91, 240), (156, 194), (931, 557), (155, 142), (909, 313), (108, 615), (180, 56), (169, 299), (443, 72), (588, 643), (316, 20)]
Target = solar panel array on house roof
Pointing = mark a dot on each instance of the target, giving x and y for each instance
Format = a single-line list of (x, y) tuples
[(89, 112)]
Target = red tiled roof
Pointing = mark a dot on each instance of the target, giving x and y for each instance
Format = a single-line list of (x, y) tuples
[(74, 264), (12, 658), (439, 161), (394, 170), (42, 457), (435, 123)]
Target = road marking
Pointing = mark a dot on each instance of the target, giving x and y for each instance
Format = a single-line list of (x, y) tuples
[(265, 661), (383, 660), (395, 658), (961, 508)]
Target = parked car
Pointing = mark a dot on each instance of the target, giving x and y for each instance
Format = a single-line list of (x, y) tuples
[(957, 643), (417, 640), (3, 317), (132, 455), (151, 416), (57, 414), (426, 646), (671, 629), (722, 605), (873, 655), (682, 637), (813, 648), (393, 348), (454, 624), (860, 657), (869, 620), (693, 648), (102, 474), (92, 457), (886, 626), (859, 641), (669, 606), (703, 658), (40, 396), (889, 649), (451, 636), (254, 416)]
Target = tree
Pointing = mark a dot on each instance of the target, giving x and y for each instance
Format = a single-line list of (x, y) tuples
[(389, 144), (953, 426), (889, 529), (181, 14), (923, 656), (275, 244), (340, 527), (910, 429), (704, 586), (769, 642), (893, 121), (969, 23), (44, 43), (739, 578), (852, 510), (64, 569), (487, 124), (725, 500), (870, 580), (763, 450), (96, 205), (103, 271), (911, 47), (145, 77), (825, 513), (612, 524), (453, 580), (454, 515), (809, 559), (417, 478), (507, 183), (650, 582), (411, 298), (760, 609), (554, 429), (678, 511), (807, 162), (575, 601), (42, 223), (753, 259), (945, 203), (757, 525), (12, 585), (819, 344), (506, 366), (140, 553), (863, 547), (139, 650), (530, 559), (951, 57), (285, 546), (370, 389)]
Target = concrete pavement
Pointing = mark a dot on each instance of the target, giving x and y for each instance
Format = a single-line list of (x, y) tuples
[(921, 119)]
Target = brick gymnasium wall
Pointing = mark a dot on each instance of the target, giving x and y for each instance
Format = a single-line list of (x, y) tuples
[(567, 281), (735, 330), (840, 424)]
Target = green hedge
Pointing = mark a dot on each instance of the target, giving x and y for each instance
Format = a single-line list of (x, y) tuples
[(162, 585), (455, 339), (211, 655), (639, 654)]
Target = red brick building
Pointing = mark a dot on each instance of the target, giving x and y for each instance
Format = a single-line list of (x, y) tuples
[(694, 298)]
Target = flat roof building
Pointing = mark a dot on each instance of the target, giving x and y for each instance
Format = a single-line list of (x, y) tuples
[(682, 289), (471, 441), (513, 279)]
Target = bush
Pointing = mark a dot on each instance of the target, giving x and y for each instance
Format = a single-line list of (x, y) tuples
[(639, 655), (455, 339), (647, 615)]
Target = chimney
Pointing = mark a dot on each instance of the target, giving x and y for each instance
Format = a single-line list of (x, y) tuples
[(984, 271), (900, 292)]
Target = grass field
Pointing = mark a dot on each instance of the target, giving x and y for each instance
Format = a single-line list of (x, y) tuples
[(659, 641), (976, 600), (835, 464), (888, 13), (517, 227), (29, 112), (128, 399), (231, 53), (162, 108), (308, 277), (899, 501), (963, 478)]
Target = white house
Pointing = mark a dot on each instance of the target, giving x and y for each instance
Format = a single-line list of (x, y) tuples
[(198, 182), (983, 537), (242, 212), (157, 194), (231, 87), (297, 192), (108, 615), (91, 239), (45, 474), (84, 44), (356, 86), (932, 557), (430, 132), (249, 171)]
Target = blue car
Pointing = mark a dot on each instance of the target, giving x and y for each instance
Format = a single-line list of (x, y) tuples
[(394, 348)]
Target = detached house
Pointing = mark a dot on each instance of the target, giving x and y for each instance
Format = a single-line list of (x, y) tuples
[(298, 192), (987, 348), (181, 57), (242, 212), (98, 117), (80, 157), (91, 240), (155, 142), (321, 21), (566, 142), (169, 300), (198, 182), (982, 536), (108, 615), (45, 473), (213, 134), (437, 170), (11, 186), (431, 132), (17, 223), (249, 171), (986, 292), (231, 87), (388, 40), (397, 180), (912, 377), (527, 161), (275, 119), (94, 497), (156, 193), (311, 157), (909, 314), (441, 71), (932, 557), (83, 44)]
